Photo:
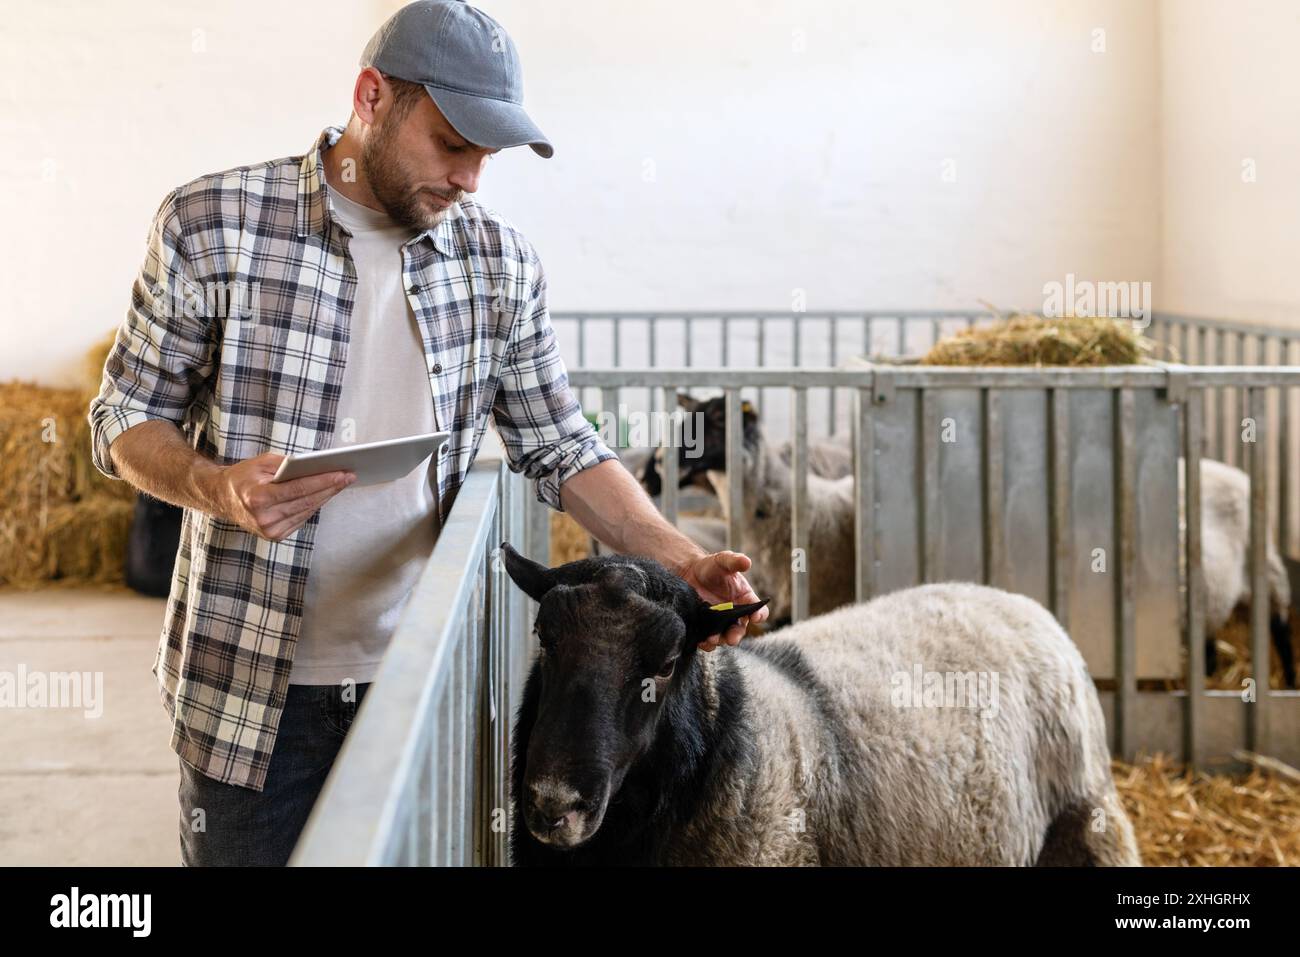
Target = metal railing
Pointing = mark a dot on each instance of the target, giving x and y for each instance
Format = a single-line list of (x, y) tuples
[(422, 775), (1154, 418), (762, 339)]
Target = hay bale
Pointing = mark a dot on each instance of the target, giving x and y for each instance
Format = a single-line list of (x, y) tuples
[(60, 520), (1034, 340), (1193, 819)]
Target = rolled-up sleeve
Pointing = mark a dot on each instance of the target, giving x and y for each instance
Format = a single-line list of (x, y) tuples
[(163, 348), (537, 415)]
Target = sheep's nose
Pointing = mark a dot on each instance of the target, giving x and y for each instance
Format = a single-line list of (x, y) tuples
[(567, 819), (555, 814)]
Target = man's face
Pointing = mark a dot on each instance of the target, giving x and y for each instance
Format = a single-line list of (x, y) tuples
[(419, 166)]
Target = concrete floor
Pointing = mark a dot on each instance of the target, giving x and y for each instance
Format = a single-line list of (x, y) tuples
[(76, 790)]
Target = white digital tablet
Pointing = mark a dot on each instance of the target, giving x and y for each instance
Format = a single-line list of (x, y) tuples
[(373, 462)]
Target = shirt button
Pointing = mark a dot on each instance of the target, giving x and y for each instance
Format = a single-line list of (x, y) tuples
[(437, 368), (414, 289)]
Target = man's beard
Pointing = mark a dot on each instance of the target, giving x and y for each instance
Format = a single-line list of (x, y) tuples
[(391, 185)]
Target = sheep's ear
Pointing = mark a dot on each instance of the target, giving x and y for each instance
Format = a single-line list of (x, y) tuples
[(533, 579), (686, 402), (715, 619)]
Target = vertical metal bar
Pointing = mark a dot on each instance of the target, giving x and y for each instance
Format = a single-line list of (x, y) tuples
[(1258, 727), (668, 463), (459, 736), (735, 468), (1243, 408), (446, 779), (610, 414), (422, 811), (1223, 416), (995, 551), (582, 342), (437, 771), (1194, 586), (726, 342), (799, 508), (934, 331), (617, 337), (762, 359), (902, 337), (690, 337), (1061, 527), (928, 495), (1284, 457), (1125, 504), (534, 524), (797, 332), (864, 503), (834, 393), (1202, 340), (652, 328)]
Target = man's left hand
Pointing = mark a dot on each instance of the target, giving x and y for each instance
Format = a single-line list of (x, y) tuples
[(720, 577)]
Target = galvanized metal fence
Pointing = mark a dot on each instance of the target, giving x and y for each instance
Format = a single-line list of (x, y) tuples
[(1063, 462), (422, 776), (756, 339)]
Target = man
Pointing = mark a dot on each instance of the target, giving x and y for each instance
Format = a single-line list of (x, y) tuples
[(384, 302)]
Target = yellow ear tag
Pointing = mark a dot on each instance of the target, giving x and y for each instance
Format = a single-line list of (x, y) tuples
[(722, 606)]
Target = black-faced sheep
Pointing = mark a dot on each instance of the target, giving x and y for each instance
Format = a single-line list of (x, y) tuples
[(823, 747), (1225, 561), (706, 449)]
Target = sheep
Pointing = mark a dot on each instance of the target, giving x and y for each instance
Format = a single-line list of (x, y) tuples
[(632, 747), (766, 529), (830, 457), (1225, 560)]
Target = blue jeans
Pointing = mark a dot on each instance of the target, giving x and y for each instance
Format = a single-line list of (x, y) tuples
[(240, 827)]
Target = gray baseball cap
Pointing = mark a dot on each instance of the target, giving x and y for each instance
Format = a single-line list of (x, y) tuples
[(468, 64)]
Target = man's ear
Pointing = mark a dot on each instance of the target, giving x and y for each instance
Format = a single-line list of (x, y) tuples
[(533, 579), (715, 619)]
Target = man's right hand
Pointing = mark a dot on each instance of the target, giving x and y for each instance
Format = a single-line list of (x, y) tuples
[(243, 493)]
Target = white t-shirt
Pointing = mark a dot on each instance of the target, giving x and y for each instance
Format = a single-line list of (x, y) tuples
[(372, 542)]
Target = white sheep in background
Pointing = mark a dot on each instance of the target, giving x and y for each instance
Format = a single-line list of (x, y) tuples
[(1225, 559), (949, 724)]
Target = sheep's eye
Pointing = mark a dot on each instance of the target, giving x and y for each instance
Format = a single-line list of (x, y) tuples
[(666, 671)]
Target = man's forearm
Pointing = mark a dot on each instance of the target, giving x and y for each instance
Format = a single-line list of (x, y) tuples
[(155, 458), (609, 503)]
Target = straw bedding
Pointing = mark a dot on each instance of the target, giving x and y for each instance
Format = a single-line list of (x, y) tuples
[(1194, 819)]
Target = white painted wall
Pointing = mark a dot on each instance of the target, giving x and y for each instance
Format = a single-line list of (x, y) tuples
[(801, 146), (708, 155), (1230, 98)]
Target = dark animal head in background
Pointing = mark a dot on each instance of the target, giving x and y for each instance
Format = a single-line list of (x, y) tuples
[(618, 641), (702, 446)]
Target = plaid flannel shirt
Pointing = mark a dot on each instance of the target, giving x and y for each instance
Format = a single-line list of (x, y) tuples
[(238, 333)]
